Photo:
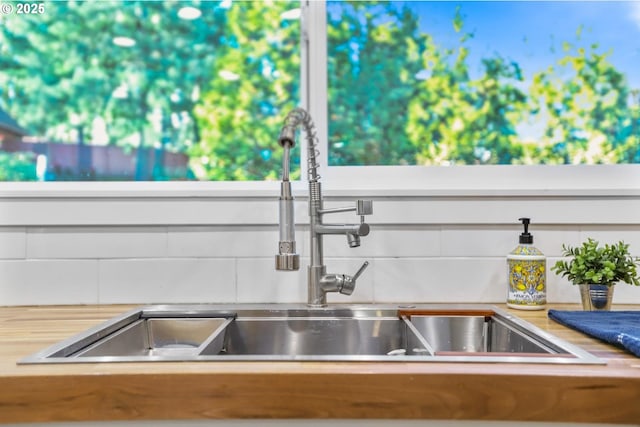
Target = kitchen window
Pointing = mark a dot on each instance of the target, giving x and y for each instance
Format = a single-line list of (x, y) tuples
[(455, 113), (146, 91), (482, 82), (517, 96)]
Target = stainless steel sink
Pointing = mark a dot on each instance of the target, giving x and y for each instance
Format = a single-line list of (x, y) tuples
[(309, 336), (161, 337), (281, 333), (478, 334)]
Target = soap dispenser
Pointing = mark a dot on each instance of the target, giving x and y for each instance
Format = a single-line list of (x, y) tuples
[(527, 274)]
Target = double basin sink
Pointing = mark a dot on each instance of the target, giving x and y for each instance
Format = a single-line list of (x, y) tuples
[(296, 333)]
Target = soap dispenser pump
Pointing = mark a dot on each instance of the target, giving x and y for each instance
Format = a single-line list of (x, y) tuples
[(527, 288)]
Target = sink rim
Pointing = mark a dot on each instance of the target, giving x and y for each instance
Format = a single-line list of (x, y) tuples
[(60, 351)]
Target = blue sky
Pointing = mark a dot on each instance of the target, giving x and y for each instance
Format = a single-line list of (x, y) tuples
[(529, 31)]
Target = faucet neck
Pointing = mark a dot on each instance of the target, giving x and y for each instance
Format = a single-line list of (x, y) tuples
[(316, 294)]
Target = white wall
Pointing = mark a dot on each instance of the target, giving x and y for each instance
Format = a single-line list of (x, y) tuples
[(221, 249)]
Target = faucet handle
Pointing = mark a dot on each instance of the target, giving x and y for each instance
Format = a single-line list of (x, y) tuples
[(349, 283), (360, 270), (364, 207)]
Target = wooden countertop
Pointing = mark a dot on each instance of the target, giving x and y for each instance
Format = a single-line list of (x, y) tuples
[(347, 390)]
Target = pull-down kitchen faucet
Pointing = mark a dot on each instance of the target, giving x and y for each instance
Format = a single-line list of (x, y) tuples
[(319, 282)]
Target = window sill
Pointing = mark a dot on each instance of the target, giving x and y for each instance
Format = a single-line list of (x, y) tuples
[(485, 181), (407, 195), (371, 181)]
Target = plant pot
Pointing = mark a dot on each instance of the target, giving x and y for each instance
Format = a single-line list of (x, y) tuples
[(596, 297)]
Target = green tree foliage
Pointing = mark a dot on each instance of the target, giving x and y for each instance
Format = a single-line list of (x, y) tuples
[(218, 87), (374, 53), (454, 119), (592, 117), (168, 85), (64, 68), (255, 84), (17, 167), (398, 97)]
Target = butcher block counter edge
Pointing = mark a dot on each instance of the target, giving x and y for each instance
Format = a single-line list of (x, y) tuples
[(294, 390)]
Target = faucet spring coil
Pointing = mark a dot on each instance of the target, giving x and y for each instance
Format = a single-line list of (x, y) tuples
[(312, 148), (291, 122), (314, 192)]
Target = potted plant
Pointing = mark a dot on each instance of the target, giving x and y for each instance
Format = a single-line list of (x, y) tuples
[(596, 269)]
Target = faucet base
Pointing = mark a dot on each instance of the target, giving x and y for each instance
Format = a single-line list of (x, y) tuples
[(316, 294)]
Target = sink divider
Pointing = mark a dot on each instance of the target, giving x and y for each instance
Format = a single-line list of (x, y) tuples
[(425, 344), (215, 342), (447, 312)]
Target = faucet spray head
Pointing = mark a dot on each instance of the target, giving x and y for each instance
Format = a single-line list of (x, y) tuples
[(287, 259)]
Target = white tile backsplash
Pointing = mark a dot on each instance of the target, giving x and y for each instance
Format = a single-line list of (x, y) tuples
[(13, 243), (484, 241), (147, 281), (559, 289), (97, 242), (471, 241), (624, 292), (384, 241), (427, 280), (258, 281), (224, 242), (48, 282), (550, 240), (193, 264)]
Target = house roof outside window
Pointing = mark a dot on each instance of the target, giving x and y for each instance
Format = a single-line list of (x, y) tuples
[(10, 125)]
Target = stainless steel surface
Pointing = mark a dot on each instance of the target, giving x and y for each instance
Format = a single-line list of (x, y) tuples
[(596, 297), (452, 333), (171, 337), (320, 336), (287, 259), (364, 207), (288, 262), (319, 281), (291, 332), (478, 334)]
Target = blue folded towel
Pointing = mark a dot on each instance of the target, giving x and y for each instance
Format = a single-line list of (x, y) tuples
[(621, 328)]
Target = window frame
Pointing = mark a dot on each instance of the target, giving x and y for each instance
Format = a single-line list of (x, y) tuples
[(504, 182)]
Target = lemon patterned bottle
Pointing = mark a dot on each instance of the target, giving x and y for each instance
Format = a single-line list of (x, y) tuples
[(527, 274)]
